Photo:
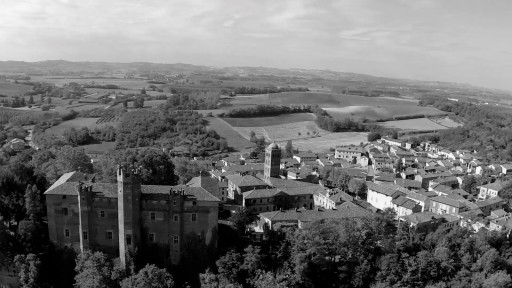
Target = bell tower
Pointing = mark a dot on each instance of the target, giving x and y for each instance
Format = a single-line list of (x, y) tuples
[(128, 209), (272, 162)]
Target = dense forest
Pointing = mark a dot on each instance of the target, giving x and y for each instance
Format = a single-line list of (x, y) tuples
[(168, 129), (486, 128), (204, 100), (366, 252)]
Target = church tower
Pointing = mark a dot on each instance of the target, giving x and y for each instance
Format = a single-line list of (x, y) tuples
[(272, 162), (128, 208)]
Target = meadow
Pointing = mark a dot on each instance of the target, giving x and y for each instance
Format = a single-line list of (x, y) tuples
[(268, 121)]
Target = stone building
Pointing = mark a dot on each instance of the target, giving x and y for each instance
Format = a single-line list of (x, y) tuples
[(119, 218)]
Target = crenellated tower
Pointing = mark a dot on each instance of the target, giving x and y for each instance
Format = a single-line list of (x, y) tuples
[(128, 205)]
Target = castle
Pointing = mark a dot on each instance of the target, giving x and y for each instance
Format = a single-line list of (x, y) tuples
[(123, 217)]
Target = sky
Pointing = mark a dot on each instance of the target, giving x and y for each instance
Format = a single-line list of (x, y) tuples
[(467, 41)]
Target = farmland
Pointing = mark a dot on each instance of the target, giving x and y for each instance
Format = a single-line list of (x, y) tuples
[(325, 142), (77, 123), (340, 106), (419, 124), (226, 131), (13, 89), (283, 132), (268, 121)]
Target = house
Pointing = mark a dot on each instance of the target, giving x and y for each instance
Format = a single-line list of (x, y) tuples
[(238, 184), (16, 144), (490, 204), (490, 190), (391, 142), (425, 179), (426, 222), (302, 217), (248, 169), (446, 205), (500, 224), (506, 168), (211, 185), (305, 156), (351, 153), (404, 206), (381, 195), (408, 184)]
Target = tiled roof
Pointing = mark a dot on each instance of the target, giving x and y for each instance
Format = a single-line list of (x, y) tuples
[(211, 185), (261, 193), (386, 189), (489, 201), (448, 201), (341, 196), (345, 210), (245, 181), (109, 190), (418, 218), (245, 168), (74, 176), (408, 183), (356, 149), (496, 186)]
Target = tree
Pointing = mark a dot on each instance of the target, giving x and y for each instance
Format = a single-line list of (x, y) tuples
[(186, 169), (29, 267), (230, 268), (469, 184), (358, 187), (67, 159), (342, 179), (143, 91), (31, 100), (93, 270), (289, 149), (156, 166), (149, 277), (241, 220)]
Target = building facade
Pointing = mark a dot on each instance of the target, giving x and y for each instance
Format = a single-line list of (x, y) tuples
[(119, 218)]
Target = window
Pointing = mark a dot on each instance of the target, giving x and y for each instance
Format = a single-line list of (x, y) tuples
[(194, 203), (128, 239), (176, 218), (65, 211), (194, 217), (102, 214), (85, 235), (173, 203), (176, 239), (66, 233), (261, 200), (152, 215), (151, 237), (63, 196), (109, 235)]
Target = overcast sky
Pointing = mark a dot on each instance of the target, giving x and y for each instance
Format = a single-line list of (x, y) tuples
[(465, 41)]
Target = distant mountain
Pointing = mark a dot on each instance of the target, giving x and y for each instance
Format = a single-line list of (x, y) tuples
[(63, 67)]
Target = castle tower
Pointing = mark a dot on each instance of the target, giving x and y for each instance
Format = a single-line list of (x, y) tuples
[(272, 162), (84, 207), (128, 209)]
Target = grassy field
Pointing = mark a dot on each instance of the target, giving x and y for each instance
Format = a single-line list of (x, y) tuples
[(12, 89), (99, 148), (414, 124), (226, 131), (268, 121), (327, 141), (154, 103), (446, 122), (283, 132), (77, 124), (340, 106)]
